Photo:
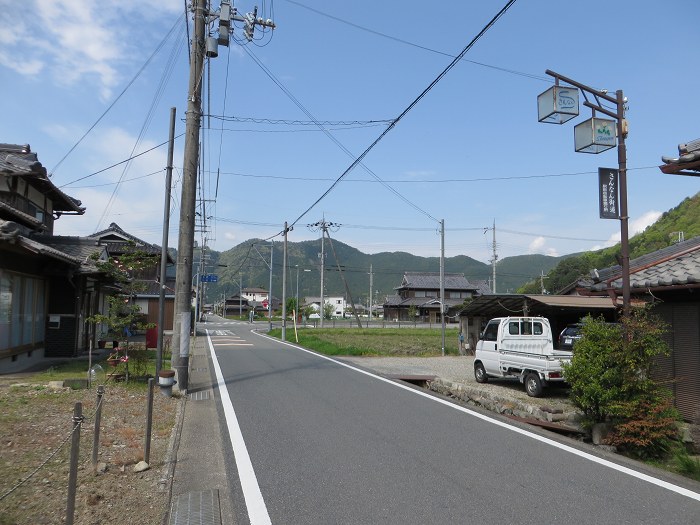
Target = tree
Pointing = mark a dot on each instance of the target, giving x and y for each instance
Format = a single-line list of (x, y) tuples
[(328, 310), (292, 305), (610, 378), (123, 315)]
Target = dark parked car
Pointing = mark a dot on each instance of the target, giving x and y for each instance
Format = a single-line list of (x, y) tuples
[(569, 336)]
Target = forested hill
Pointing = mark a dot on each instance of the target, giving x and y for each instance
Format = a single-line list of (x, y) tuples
[(680, 222), (247, 265)]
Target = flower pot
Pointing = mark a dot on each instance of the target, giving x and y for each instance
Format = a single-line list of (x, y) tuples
[(101, 343), (113, 362)]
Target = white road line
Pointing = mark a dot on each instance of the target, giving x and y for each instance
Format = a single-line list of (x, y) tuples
[(585, 455), (257, 510)]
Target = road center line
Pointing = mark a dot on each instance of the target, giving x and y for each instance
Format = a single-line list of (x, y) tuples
[(257, 510)]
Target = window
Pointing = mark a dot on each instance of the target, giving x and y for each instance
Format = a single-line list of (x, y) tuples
[(420, 293), (513, 328), (491, 332), (22, 310)]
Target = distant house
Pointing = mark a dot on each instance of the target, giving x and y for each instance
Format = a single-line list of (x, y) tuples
[(337, 302), (670, 280), (236, 305), (258, 299), (117, 241), (418, 296)]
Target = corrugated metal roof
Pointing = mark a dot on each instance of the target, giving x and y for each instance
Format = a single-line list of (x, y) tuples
[(496, 305)]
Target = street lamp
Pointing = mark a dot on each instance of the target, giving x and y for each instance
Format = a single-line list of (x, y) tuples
[(556, 106)]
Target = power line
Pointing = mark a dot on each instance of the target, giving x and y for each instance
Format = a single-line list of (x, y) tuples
[(391, 126), (138, 73), (334, 140), (129, 159), (296, 122), (424, 48)]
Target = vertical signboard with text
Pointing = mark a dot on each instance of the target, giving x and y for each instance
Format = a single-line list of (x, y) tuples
[(609, 193)]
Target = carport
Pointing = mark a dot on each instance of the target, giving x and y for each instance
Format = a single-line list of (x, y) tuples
[(559, 309)]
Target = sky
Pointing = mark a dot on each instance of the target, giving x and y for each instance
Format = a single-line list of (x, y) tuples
[(89, 85)]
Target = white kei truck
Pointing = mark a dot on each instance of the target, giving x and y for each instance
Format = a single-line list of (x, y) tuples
[(519, 347)]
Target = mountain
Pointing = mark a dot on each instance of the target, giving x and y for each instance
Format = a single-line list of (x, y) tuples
[(680, 222), (247, 265)]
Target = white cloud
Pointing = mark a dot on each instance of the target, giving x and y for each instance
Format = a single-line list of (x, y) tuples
[(73, 41), (635, 226), (539, 246)]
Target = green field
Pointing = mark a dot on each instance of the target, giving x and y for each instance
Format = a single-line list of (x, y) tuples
[(375, 341)]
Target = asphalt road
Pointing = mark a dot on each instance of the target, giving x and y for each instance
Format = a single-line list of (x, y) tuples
[(317, 441)]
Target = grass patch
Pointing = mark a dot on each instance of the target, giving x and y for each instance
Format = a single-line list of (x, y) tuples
[(394, 342)]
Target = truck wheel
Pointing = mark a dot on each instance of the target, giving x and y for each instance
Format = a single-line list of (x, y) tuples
[(533, 385), (480, 373)]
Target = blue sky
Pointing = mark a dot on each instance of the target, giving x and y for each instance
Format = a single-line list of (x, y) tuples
[(470, 152)]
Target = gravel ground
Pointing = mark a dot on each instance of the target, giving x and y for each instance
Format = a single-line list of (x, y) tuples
[(35, 432), (457, 372)]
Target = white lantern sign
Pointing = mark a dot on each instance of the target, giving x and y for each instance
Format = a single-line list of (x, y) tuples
[(595, 135), (557, 105)]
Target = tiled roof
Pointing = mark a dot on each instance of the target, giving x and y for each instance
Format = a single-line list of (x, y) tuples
[(674, 265), (25, 218), (20, 161), (42, 249), (431, 281), (120, 241), (686, 163)]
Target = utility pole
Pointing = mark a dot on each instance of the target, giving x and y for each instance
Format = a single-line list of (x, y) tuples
[(494, 258), (323, 226), (164, 244), (542, 278), (369, 311), (323, 257), (442, 282), (284, 285), (183, 281)]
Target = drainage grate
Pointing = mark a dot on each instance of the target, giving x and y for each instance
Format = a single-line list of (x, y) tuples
[(200, 508), (201, 395), (200, 369)]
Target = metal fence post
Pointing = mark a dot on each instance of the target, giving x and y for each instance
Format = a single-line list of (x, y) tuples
[(74, 452), (149, 421), (96, 433)]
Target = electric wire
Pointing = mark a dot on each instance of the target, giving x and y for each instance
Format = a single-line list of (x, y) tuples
[(157, 95), (223, 110), (296, 122), (391, 126), (117, 164), (424, 48), (338, 143), (126, 88)]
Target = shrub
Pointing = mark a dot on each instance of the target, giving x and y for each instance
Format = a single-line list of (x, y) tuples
[(610, 378), (649, 432)]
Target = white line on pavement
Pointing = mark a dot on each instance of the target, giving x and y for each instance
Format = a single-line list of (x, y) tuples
[(257, 510)]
